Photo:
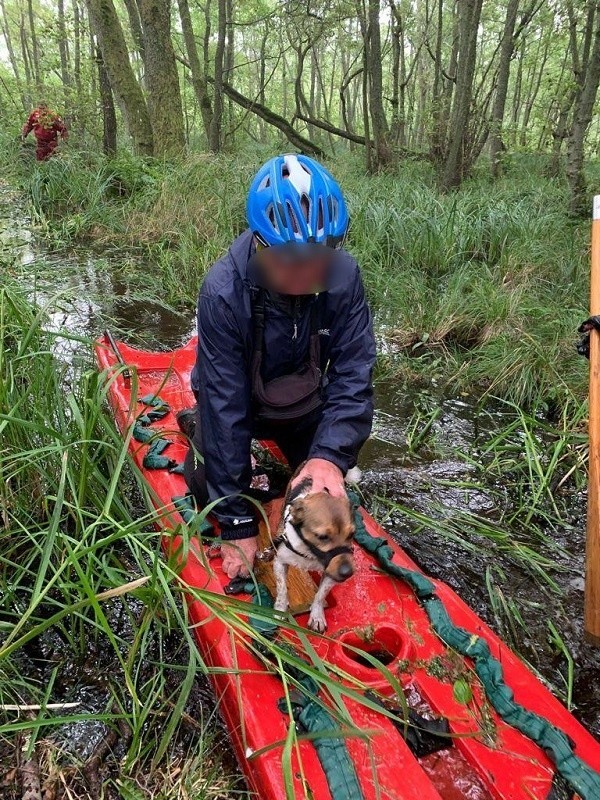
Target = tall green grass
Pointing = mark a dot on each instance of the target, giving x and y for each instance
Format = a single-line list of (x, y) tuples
[(87, 601), (483, 287)]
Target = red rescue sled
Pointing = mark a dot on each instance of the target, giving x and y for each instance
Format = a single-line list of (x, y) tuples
[(490, 760)]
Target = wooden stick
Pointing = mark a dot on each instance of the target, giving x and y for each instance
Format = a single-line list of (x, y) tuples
[(592, 570), (36, 707)]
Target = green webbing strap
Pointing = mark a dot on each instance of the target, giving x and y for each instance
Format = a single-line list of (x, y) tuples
[(141, 433), (310, 715), (580, 776), (333, 753), (157, 408), (186, 506), (154, 458)]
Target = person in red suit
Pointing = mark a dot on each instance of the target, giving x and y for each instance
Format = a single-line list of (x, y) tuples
[(47, 126)]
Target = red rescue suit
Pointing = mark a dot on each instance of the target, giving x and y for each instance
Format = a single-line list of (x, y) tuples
[(46, 127)]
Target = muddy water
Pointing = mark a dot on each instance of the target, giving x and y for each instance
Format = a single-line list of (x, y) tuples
[(90, 291)]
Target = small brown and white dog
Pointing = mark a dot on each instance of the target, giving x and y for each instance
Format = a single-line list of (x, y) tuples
[(315, 534)]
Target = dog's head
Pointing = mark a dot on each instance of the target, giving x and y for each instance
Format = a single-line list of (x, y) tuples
[(327, 525)]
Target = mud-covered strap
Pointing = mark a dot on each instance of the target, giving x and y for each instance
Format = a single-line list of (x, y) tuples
[(560, 789), (422, 735), (584, 780)]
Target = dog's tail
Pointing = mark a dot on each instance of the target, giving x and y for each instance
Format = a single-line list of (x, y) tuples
[(353, 475)]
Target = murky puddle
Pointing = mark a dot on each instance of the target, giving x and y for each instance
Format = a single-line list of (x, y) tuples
[(90, 291)]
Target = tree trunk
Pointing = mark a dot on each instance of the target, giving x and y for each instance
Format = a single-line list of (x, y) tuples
[(199, 83), (162, 79), (135, 24), (35, 53), (63, 45), (26, 59), (506, 52), (126, 89), (229, 63), (109, 117), (584, 109), (12, 57), (214, 139), (262, 76), (377, 112), (77, 50), (469, 16), (561, 127), (398, 125), (444, 85), (534, 83)]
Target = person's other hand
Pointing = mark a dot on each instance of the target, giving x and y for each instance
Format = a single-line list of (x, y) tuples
[(238, 556), (326, 477)]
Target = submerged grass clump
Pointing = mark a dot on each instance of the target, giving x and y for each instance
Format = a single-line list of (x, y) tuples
[(480, 288)]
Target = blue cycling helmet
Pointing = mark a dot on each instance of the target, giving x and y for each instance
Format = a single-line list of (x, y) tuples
[(294, 199)]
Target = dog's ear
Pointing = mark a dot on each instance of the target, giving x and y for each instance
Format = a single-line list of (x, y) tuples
[(297, 511)]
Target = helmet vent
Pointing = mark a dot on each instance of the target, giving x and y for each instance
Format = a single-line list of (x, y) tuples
[(293, 217), (305, 206), (272, 217), (333, 209)]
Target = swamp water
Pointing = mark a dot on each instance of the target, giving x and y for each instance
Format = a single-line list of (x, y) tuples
[(421, 480)]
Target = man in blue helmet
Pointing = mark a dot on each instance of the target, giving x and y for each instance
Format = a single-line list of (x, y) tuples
[(286, 350)]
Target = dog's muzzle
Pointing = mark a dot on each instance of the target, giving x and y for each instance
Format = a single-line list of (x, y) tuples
[(326, 557), (341, 566)]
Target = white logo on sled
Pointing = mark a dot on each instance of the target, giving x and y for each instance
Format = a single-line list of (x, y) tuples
[(324, 332)]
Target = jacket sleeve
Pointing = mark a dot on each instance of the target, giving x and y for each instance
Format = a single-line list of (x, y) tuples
[(224, 397), (348, 411)]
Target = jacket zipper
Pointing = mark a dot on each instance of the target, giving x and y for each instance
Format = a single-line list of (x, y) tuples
[(295, 333)]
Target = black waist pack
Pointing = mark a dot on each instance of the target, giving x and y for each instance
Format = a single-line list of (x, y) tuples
[(288, 397)]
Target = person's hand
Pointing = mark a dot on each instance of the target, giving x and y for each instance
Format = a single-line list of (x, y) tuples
[(238, 556), (326, 477)]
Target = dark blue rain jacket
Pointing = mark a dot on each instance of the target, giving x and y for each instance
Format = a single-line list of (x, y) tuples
[(222, 375)]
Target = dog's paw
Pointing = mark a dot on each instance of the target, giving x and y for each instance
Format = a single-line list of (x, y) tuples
[(317, 621), (281, 606)]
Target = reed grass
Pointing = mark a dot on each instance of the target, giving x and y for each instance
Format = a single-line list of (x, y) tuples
[(88, 603), (480, 288)]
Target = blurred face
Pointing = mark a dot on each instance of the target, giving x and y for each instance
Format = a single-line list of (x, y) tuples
[(294, 269)]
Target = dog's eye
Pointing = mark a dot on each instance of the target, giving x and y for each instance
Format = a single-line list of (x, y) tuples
[(322, 537)]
